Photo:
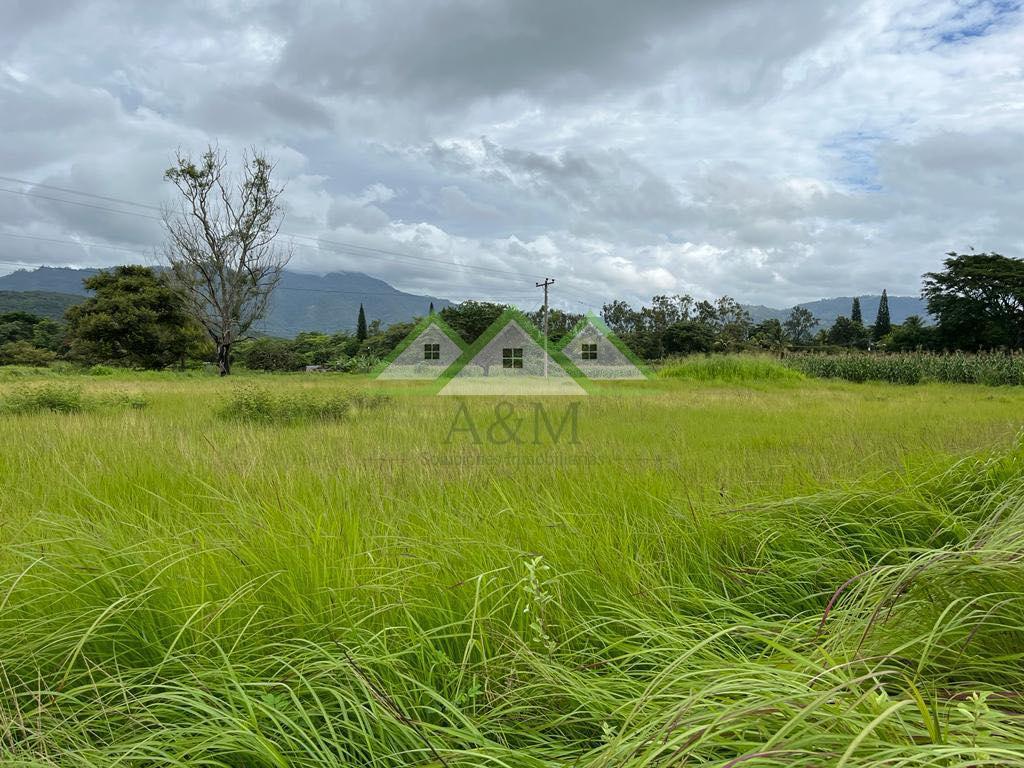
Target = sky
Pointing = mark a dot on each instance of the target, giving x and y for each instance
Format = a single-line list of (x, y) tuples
[(775, 152)]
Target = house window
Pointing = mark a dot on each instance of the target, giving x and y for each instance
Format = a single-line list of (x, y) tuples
[(589, 352), (512, 357), (431, 351)]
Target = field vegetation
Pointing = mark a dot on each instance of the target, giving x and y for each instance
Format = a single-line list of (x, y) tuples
[(58, 397), (720, 572), (992, 368), (737, 369)]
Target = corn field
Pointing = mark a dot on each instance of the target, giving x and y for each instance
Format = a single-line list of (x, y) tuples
[(991, 368)]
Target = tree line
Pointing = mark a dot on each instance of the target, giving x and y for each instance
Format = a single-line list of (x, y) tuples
[(138, 317)]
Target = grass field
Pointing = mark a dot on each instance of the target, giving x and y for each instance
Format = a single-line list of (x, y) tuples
[(722, 569)]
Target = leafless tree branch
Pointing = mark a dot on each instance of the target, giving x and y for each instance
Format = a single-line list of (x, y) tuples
[(221, 243)]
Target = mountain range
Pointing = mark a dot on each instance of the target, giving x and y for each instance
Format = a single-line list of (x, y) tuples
[(827, 310), (307, 302), (302, 301)]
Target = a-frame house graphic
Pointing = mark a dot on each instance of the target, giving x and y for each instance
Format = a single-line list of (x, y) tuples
[(428, 351), (599, 354), (509, 359)]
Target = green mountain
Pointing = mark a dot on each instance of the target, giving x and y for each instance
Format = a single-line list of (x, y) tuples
[(307, 302), (48, 279), (40, 303), (302, 302)]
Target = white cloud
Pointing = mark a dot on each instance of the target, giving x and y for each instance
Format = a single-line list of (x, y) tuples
[(776, 152)]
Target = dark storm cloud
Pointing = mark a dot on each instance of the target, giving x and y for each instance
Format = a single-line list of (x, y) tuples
[(452, 52)]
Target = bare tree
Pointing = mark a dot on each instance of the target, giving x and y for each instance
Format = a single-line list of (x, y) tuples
[(221, 247)]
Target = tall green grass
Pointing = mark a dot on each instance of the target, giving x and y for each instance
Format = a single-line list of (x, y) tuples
[(859, 627), (178, 589), (733, 369), (263, 405), (61, 397)]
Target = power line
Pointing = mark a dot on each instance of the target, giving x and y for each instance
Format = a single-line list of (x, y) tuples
[(83, 194), (351, 249), (359, 250), (78, 203), (67, 241), (279, 287), (83, 244)]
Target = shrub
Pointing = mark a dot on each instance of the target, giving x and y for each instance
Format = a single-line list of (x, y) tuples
[(271, 355), (23, 353), (65, 398), (262, 406), (687, 337), (357, 364), (59, 398), (101, 370), (16, 372), (738, 369)]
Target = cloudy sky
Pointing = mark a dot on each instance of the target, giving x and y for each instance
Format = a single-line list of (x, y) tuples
[(772, 151)]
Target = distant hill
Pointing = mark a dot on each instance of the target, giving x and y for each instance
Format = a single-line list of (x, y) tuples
[(48, 279), (39, 303), (827, 310), (307, 302), (302, 302)]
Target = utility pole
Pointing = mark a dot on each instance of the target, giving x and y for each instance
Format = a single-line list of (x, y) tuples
[(547, 281)]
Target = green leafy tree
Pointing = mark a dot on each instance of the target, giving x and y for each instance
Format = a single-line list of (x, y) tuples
[(733, 323), (134, 318), (687, 337), (29, 339), (705, 312), (559, 322), (381, 343), (664, 311), (846, 333), (270, 355), (978, 300), (24, 353), (48, 334), (471, 318), (620, 317), (800, 325), (855, 315), (909, 336), (769, 335), (361, 330), (17, 326), (883, 325)]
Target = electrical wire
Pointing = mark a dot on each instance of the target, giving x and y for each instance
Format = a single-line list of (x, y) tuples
[(351, 249)]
